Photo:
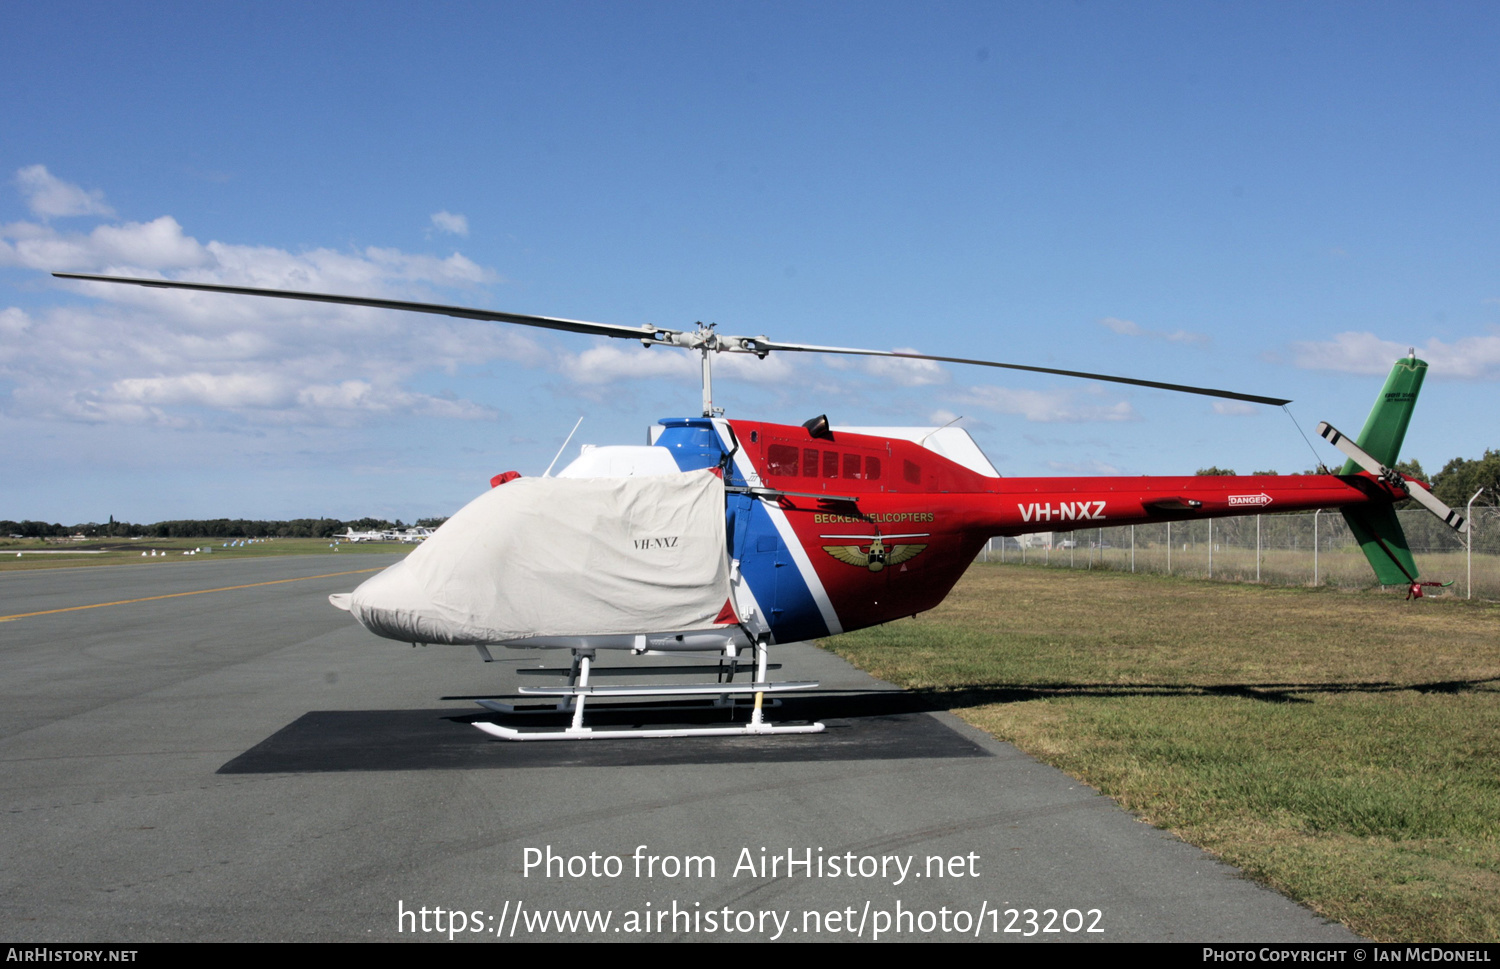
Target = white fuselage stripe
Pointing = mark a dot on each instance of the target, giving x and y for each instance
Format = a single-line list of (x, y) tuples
[(789, 538)]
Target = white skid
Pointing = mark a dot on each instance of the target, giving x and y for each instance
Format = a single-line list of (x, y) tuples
[(667, 689), (589, 733), (578, 691), (500, 706)]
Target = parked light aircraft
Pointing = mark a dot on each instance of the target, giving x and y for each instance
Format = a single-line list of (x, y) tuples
[(373, 535), (407, 535), (728, 535)]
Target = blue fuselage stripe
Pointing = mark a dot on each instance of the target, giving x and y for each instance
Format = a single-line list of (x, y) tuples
[(767, 565)]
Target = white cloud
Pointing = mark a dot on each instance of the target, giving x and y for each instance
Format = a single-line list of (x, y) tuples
[(150, 248), (47, 195), (895, 370), (1046, 406), (448, 222), (606, 363), (13, 322), (356, 396), (615, 361), (1469, 358), (157, 245), (1122, 327), (1183, 336), (226, 391), (277, 399), (1236, 408), (173, 359), (1131, 328)]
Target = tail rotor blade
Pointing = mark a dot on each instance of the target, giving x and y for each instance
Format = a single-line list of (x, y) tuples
[(1430, 501), (1418, 494), (1355, 453)]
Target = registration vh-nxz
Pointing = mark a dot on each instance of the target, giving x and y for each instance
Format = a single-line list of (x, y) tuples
[(724, 536)]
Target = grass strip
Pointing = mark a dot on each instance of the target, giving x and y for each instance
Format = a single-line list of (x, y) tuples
[(26, 556), (1342, 747)]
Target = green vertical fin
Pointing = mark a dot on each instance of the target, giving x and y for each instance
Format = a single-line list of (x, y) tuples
[(1376, 527), (1385, 428), (1380, 537)]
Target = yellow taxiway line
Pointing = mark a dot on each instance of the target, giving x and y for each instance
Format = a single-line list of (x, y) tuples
[(174, 595)]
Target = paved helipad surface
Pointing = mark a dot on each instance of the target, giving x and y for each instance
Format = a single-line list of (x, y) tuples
[(249, 764)]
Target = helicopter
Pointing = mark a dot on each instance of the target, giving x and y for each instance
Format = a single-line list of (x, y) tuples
[(725, 535)]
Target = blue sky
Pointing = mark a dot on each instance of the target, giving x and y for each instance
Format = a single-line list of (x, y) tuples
[(1273, 198)]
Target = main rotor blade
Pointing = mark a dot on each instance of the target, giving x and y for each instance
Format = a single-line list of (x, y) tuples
[(648, 334), (437, 309), (1417, 493), (1205, 391)]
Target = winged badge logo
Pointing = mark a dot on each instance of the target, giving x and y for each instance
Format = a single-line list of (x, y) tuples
[(879, 555)]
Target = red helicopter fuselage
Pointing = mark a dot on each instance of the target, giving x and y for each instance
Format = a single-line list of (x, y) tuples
[(845, 530)]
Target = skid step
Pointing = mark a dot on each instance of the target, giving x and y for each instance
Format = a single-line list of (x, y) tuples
[(667, 689), (699, 669), (661, 706)]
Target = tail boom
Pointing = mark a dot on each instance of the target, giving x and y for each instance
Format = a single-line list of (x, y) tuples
[(1066, 504)]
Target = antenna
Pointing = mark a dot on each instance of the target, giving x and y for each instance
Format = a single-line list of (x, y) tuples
[(548, 472), (955, 420)]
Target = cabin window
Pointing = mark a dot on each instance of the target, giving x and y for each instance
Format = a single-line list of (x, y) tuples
[(911, 472), (830, 464), (851, 466), (872, 469), (809, 462), (781, 459)]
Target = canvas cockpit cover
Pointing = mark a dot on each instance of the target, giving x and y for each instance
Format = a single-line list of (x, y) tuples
[(561, 557)]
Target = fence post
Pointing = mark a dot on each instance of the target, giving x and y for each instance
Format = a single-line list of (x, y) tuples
[(1169, 548), (1315, 545), (1469, 544), (1132, 548), (1210, 548), (1257, 548)]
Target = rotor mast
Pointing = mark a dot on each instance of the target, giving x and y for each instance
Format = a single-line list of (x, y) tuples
[(708, 384), (707, 343)]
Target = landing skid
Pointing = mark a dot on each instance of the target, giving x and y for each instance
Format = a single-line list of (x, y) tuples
[(575, 696), (589, 733), (718, 703)]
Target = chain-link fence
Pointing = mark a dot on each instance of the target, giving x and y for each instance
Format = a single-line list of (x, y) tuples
[(1301, 548)]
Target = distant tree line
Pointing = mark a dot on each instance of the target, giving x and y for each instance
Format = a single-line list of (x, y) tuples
[(1458, 480), (209, 528)]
